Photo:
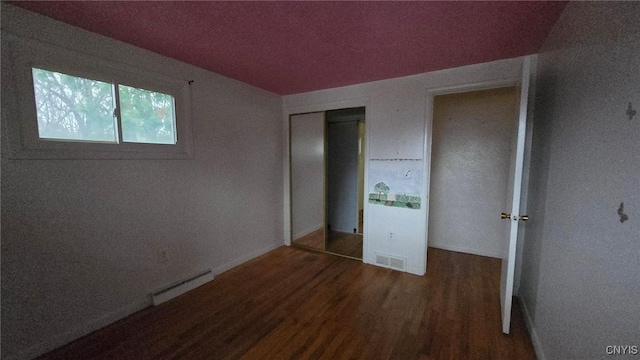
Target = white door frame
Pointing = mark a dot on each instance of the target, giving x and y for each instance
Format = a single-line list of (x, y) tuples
[(431, 94), (528, 68)]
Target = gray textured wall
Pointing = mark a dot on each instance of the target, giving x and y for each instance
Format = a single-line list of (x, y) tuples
[(581, 265)]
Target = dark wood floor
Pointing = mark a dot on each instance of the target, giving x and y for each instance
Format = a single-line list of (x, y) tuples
[(313, 240), (347, 244), (341, 243), (295, 304)]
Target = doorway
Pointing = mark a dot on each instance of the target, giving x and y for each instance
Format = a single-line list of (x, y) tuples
[(345, 181), (327, 160), (473, 137)]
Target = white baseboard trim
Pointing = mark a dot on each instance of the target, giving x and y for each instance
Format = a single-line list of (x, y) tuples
[(537, 346), (181, 287), (463, 249), (307, 232), (59, 340), (241, 260), (91, 326)]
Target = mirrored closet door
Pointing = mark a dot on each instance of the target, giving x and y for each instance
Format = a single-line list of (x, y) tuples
[(307, 141), (327, 181)]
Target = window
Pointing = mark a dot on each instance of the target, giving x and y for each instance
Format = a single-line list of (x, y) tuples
[(79, 109), (74, 108), (77, 106), (146, 116)]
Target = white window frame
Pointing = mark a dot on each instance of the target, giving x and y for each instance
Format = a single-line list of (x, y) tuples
[(25, 141)]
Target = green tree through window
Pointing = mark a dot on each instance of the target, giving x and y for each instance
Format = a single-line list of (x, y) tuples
[(79, 109), (73, 108), (147, 116)]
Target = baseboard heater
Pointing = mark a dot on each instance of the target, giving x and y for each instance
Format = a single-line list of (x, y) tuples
[(181, 287)]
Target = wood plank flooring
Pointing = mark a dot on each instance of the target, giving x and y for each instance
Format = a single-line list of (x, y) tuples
[(296, 304), (345, 244), (338, 243), (313, 240)]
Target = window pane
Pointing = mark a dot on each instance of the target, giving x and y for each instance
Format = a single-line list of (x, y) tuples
[(73, 108), (147, 116)]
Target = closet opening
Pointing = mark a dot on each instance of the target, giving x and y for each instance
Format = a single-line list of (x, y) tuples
[(327, 152)]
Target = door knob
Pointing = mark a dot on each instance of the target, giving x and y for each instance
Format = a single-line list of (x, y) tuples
[(505, 216), (524, 217)]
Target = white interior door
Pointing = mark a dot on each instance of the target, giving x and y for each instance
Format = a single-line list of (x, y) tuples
[(512, 211)]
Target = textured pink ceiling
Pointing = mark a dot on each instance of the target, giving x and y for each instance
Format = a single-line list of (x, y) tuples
[(293, 47)]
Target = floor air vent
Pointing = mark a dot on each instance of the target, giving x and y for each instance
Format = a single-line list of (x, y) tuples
[(391, 262), (382, 260), (181, 287), (396, 263)]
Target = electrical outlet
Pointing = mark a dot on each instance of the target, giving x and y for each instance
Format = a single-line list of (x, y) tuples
[(390, 235), (163, 255)]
